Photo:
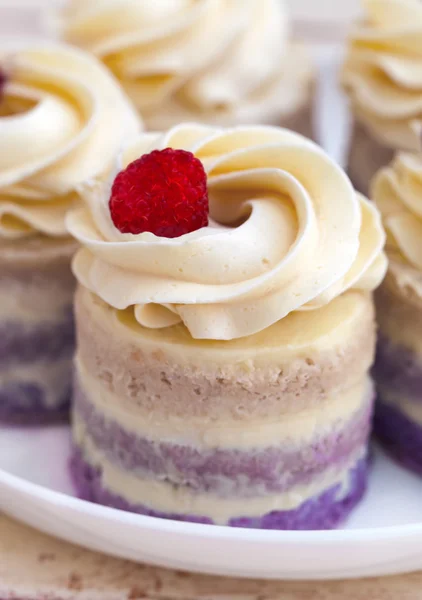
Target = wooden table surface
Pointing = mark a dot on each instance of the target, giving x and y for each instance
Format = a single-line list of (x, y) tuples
[(36, 567)]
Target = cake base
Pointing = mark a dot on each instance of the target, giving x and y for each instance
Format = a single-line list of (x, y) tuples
[(323, 512), (400, 436)]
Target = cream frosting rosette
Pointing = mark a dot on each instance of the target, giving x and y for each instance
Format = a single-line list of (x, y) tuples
[(216, 60), (397, 191), (63, 119), (383, 71), (287, 233)]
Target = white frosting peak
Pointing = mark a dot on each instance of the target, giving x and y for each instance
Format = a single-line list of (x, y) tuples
[(305, 238)]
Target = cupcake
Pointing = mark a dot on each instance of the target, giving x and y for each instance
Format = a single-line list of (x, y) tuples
[(62, 119), (397, 190), (213, 61), (382, 76), (222, 367)]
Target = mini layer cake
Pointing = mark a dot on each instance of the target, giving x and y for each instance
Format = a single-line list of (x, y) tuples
[(36, 328), (382, 76), (218, 62), (56, 105), (398, 370), (222, 372)]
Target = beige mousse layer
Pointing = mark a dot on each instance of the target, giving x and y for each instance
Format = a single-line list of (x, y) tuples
[(36, 283), (298, 430), (293, 365), (399, 305)]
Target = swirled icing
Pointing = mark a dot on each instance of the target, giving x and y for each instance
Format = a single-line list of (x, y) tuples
[(383, 71), (217, 61), (305, 237), (63, 119), (397, 191)]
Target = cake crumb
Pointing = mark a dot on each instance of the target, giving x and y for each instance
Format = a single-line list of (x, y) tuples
[(136, 593), (75, 582), (46, 557)]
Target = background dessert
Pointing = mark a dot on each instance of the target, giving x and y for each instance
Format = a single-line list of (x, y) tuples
[(397, 190), (223, 376), (382, 76), (217, 62), (62, 119)]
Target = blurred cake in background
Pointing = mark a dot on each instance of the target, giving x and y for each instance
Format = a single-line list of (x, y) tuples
[(212, 61), (222, 369), (382, 76), (62, 120), (397, 190), (326, 21)]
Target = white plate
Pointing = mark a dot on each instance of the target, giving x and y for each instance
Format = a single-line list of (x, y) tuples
[(384, 535)]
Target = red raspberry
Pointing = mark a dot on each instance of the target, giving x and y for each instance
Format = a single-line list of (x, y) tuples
[(164, 192)]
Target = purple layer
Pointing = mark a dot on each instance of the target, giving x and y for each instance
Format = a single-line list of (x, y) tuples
[(400, 435), (322, 512), (25, 403), (21, 344), (399, 369), (272, 469), (43, 343)]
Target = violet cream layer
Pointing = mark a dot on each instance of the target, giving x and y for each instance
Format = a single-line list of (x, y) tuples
[(398, 366), (36, 328), (222, 430)]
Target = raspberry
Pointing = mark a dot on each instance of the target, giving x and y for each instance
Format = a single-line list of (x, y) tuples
[(164, 192)]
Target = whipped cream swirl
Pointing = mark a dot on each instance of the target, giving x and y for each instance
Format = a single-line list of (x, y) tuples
[(397, 191), (287, 232), (63, 119), (383, 72), (219, 61)]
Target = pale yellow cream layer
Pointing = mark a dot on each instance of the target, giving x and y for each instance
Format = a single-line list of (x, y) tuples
[(327, 330), (179, 500), (298, 429), (383, 71), (306, 237), (63, 119)]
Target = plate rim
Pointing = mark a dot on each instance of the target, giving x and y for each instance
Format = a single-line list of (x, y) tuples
[(327, 537)]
